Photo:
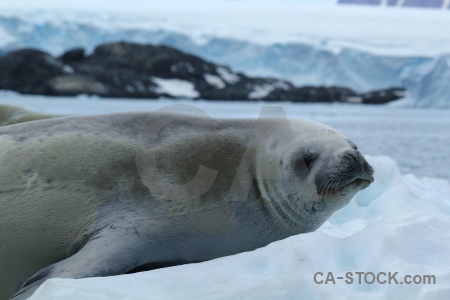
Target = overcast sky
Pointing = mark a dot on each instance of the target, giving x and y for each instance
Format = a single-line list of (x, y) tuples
[(133, 5)]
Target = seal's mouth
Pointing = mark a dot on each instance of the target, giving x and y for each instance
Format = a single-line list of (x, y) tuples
[(355, 184), (359, 183), (343, 176)]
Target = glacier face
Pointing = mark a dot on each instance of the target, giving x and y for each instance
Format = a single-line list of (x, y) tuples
[(428, 84), (301, 63)]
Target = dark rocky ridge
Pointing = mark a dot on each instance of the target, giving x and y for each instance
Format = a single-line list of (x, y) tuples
[(129, 70)]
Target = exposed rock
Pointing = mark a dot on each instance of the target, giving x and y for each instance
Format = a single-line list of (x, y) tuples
[(313, 94), (130, 70), (73, 55), (28, 71), (383, 96)]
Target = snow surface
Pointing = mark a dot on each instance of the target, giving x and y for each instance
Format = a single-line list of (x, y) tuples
[(261, 91), (364, 48), (399, 224), (215, 81), (229, 77), (176, 87)]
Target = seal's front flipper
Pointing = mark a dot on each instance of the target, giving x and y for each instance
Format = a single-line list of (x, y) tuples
[(112, 251)]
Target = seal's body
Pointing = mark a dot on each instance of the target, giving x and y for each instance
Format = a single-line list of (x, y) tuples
[(10, 114), (103, 195)]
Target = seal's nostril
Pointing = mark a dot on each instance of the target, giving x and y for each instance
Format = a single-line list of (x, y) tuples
[(352, 154), (359, 165)]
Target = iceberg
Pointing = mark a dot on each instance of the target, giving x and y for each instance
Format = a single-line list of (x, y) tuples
[(428, 84), (322, 45)]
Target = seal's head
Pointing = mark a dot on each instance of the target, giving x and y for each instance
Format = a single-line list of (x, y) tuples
[(319, 171)]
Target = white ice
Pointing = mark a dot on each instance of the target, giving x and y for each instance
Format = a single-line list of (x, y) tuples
[(215, 81), (5, 38), (227, 75), (261, 91), (176, 87), (380, 30)]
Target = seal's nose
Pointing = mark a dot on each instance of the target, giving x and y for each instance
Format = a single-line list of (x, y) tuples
[(348, 170), (362, 168)]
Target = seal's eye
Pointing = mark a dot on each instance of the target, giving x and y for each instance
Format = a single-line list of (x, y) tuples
[(309, 158), (304, 160)]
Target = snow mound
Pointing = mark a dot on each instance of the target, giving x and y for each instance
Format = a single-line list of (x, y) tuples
[(398, 224)]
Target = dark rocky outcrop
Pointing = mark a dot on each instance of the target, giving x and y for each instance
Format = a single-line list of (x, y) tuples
[(130, 70), (28, 71), (383, 96)]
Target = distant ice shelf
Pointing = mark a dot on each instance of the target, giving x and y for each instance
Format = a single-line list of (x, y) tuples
[(357, 47)]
